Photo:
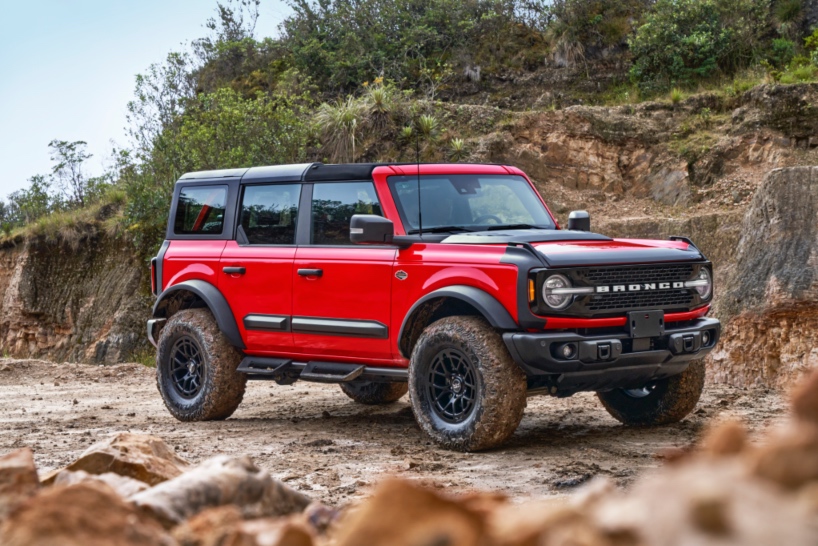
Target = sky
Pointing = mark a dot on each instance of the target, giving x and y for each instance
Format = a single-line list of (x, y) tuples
[(67, 70)]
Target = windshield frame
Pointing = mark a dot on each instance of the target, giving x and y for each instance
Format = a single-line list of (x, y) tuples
[(536, 201)]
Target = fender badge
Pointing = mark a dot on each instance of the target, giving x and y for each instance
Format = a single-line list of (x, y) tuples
[(401, 275)]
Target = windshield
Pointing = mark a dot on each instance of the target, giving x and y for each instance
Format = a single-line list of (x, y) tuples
[(467, 202)]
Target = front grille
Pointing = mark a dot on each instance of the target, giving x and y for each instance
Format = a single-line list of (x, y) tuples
[(640, 300), (639, 274)]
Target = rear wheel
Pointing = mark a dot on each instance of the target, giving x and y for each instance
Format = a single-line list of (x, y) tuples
[(659, 403), (196, 368), (370, 393), (466, 391)]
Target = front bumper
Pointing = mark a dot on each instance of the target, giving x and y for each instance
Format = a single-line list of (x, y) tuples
[(609, 361)]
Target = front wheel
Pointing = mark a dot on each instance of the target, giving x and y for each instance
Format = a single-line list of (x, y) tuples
[(466, 391), (196, 368), (660, 403)]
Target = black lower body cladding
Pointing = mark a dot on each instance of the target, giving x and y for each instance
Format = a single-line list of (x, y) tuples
[(564, 362)]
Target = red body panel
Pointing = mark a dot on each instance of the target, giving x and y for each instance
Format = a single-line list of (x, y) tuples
[(187, 260), (356, 284), (265, 288)]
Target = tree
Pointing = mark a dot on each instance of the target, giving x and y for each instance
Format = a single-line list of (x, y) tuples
[(26, 205), (68, 170)]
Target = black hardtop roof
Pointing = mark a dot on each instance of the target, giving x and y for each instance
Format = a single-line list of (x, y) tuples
[(309, 172), (280, 173)]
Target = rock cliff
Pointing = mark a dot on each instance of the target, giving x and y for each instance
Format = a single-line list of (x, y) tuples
[(83, 303)]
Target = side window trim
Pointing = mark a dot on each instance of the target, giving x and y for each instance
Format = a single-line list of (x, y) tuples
[(303, 230)]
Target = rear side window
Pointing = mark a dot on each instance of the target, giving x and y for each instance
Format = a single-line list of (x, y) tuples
[(200, 210), (269, 213), (333, 205)]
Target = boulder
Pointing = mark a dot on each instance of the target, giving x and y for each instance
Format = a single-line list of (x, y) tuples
[(18, 479), (122, 485), (138, 456), (220, 481), (769, 297), (400, 513), (84, 514)]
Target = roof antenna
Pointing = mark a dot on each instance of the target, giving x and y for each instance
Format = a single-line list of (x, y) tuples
[(417, 161)]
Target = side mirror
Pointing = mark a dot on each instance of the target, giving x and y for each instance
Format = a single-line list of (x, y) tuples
[(371, 229), (579, 220)]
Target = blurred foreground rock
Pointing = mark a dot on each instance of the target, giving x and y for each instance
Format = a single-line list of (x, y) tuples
[(122, 485), (18, 479), (138, 456), (218, 482), (84, 514)]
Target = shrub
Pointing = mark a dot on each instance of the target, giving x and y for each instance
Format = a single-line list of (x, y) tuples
[(782, 52), (342, 43), (682, 41)]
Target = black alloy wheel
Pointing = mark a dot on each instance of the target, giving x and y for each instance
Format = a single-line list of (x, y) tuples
[(187, 370), (452, 385)]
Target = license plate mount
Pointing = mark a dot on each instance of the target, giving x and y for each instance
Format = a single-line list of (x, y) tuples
[(646, 323)]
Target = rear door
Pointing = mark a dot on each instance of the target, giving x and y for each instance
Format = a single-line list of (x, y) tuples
[(341, 291), (256, 273)]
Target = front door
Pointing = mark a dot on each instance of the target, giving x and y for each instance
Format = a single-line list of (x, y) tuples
[(256, 273), (341, 291)]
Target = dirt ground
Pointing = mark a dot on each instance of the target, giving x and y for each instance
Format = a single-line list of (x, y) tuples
[(316, 439)]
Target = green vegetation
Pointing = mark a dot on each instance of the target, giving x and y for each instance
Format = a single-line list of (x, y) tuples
[(370, 80)]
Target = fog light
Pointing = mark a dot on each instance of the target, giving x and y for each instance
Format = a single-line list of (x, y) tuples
[(705, 338), (568, 350)]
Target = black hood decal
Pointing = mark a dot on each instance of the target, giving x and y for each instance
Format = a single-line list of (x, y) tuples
[(523, 236), (621, 256)]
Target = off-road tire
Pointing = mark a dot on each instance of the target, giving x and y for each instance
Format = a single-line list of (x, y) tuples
[(669, 401), (499, 384), (222, 387), (371, 393)]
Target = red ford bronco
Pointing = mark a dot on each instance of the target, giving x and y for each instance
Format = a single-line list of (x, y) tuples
[(453, 282)]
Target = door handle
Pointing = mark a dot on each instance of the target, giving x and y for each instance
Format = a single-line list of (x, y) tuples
[(310, 272), (234, 270)]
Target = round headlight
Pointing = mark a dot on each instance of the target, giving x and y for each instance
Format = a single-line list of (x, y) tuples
[(704, 286), (551, 292)]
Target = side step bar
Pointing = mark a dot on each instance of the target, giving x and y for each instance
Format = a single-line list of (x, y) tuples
[(286, 372)]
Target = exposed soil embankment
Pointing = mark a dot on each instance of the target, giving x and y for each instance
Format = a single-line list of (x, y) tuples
[(82, 302), (696, 168)]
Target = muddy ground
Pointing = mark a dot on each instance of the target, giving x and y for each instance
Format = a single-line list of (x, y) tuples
[(319, 441)]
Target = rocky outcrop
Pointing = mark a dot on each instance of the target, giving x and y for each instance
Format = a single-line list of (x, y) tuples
[(770, 296), (85, 303)]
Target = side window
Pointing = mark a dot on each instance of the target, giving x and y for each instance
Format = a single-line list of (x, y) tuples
[(333, 205), (268, 213), (200, 210)]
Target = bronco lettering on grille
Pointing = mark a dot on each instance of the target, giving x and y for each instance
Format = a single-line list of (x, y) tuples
[(640, 287)]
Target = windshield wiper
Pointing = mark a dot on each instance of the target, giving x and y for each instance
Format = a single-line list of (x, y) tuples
[(513, 226), (440, 229)]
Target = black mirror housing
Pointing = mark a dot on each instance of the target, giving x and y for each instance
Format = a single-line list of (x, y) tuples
[(579, 220), (371, 229)]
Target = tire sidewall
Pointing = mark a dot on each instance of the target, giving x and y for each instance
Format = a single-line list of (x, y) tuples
[(422, 360), (223, 387), (164, 364)]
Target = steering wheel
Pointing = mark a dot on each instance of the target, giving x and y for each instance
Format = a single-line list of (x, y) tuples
[(487, 217)]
